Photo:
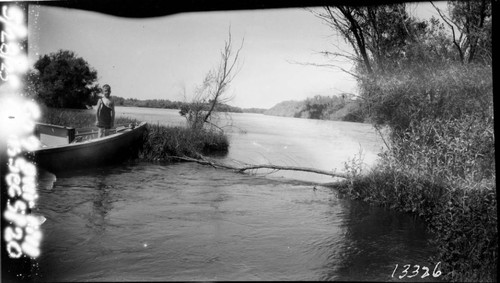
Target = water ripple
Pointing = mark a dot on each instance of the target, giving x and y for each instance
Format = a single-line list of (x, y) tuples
[(152, 221)]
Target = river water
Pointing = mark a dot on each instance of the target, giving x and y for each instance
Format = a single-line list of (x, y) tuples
[(159, 222)]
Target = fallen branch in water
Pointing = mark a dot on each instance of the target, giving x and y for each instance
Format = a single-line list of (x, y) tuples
[(204, 161)]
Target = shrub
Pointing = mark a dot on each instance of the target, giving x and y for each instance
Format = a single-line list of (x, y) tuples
[(448, 91), (162, 143), (444, 171), (440, 162), (458, 152)]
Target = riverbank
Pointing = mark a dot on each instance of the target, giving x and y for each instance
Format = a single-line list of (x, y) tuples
[(160, 143), (444, 172)]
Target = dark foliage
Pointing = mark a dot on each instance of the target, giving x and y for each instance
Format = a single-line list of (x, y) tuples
[(335, 108), (62, 80), (167, 104)]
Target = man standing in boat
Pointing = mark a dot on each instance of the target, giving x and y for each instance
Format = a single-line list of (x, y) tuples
[(105, 119)]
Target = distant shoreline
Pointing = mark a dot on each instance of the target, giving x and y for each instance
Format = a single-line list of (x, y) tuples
[(329, 108)]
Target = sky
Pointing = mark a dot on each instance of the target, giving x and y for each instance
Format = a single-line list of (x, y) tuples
[(168, 57)]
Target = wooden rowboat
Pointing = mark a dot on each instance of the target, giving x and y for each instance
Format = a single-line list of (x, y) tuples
[(66, 148)]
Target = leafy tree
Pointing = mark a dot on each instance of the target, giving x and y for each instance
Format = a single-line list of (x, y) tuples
[(384, 38), (437, 101), (320, 107), (393, 51), (431, 45), (471, 27), (63, 80), (378, 35)]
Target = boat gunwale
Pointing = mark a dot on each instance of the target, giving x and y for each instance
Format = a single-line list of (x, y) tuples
[(94, 142)]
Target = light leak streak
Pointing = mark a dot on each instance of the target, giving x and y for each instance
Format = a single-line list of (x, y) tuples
[(18, 117)]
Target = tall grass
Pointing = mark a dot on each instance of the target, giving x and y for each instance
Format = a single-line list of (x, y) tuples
[(411, 94), (75, 118), (440, 163), (163, 143)]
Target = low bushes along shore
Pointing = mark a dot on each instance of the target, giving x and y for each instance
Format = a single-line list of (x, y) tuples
[(440, 161), (449, 185)]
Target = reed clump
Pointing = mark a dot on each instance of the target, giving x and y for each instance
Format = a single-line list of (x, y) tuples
[(440, 163), (75, 118), (164, 143)]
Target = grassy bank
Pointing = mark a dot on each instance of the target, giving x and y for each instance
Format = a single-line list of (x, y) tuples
[(440, 164), (160, 142)]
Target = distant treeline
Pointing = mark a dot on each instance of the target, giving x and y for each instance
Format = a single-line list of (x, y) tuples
[(167, 104), (339, 108)]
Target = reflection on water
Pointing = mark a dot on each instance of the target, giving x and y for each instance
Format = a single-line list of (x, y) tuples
[(189, 222), (262, 139), (101, 205), (375, 241)]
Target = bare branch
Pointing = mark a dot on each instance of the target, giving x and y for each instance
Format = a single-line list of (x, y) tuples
[(242, 169), (225, 74), (451, 24), (211, 92), (326, 66)]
